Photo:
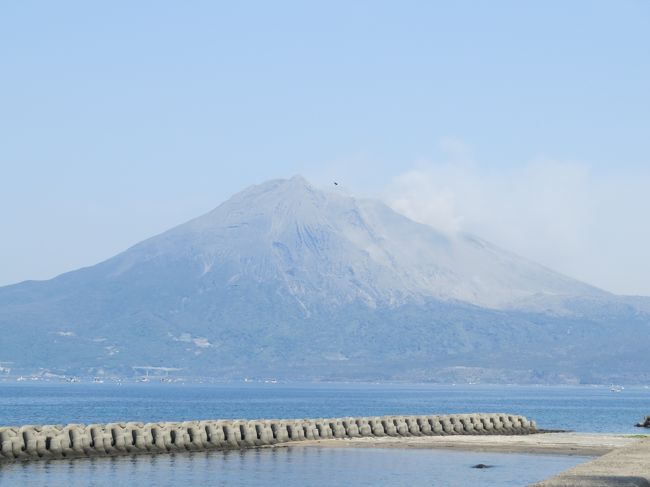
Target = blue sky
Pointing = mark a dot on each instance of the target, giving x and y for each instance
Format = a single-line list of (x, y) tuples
[(526, 122)]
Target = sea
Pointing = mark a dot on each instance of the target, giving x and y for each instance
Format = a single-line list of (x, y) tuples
[(580, 408)]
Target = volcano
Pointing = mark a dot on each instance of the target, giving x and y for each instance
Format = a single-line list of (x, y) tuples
[(289, 281)]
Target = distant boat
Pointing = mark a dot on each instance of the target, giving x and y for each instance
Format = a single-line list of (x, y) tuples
[(20, 379), (142, 379), (616, 388)]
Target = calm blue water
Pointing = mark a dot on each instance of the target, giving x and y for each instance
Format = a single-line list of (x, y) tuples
[(293, 467), (588, 409), (575, 408)]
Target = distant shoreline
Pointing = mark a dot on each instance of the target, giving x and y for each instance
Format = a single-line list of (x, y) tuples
[(209, 381)]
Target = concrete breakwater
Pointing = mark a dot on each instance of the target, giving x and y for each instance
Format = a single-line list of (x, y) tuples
[(93, 440)]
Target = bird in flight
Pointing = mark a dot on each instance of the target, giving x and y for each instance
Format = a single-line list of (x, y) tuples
[(335, 183)]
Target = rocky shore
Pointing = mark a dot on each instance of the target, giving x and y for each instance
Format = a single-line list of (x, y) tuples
[(49, 442), (644, 424)]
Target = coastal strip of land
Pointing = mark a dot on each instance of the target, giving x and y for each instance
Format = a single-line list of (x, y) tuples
[(582, 444), (622, 460), (628, 466)]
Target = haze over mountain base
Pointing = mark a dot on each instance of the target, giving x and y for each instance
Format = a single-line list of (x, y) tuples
[(290, 282)]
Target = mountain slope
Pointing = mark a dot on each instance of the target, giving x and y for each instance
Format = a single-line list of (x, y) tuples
[(333, 247), (287, 280)]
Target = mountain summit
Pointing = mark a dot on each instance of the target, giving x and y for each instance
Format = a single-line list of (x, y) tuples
[(301, 283), (327, 247)]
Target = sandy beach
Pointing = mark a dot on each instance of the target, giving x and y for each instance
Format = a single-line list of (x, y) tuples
[(628, 466), (584, 444), (621, 460)]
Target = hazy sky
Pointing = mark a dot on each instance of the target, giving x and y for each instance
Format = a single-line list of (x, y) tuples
[(527, 123)]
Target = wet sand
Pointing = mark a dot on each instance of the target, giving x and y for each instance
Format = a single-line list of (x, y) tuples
[(626, 466), (583, 444), (622, 460)]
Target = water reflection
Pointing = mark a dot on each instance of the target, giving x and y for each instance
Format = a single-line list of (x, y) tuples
[(293, 466)]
